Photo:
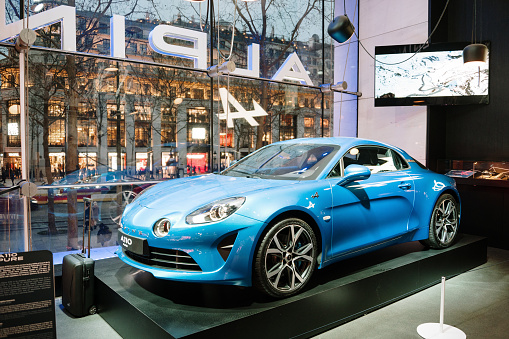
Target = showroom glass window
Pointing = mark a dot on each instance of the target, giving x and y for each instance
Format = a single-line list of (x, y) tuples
[(150, 107)]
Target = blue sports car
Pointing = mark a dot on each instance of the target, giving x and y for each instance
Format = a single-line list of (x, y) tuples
[(275, 216)]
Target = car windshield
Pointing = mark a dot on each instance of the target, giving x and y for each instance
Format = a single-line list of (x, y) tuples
[(284, 162)]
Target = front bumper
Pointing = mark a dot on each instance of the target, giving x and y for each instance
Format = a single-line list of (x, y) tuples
[(214, 253)]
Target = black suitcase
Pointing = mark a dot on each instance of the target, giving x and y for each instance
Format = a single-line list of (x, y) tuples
[(78, 278)]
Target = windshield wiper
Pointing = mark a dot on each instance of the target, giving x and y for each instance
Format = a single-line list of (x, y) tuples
[(247, 174)]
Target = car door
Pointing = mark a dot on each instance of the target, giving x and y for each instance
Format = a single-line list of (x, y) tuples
[(372, 210)]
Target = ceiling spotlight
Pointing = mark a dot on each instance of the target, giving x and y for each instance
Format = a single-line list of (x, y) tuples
[(178, 101), (15, 109), (111, 68), (341, 29), (37, 8)]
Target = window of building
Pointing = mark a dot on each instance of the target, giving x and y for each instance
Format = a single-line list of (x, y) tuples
[(198, 93), (326, 129), (112, 124), (309, 127), (141, 135), (287, 127), (56, 109), (112, 133), (198, 115), (87, 132), (56, 135)]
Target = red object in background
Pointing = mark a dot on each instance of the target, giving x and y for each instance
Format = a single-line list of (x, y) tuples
[(198, 161), (225, 139)]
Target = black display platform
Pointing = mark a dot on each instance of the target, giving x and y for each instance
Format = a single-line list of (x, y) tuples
[(137, 305)]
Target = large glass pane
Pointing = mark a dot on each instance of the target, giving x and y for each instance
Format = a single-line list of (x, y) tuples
[(106, 128)]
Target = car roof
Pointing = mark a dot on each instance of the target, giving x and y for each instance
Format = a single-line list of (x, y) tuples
[(344, 142)]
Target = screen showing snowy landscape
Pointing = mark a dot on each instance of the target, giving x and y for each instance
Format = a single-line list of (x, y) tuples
[(436, 77)]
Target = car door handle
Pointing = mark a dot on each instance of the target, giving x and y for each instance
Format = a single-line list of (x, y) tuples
[(405, 185)]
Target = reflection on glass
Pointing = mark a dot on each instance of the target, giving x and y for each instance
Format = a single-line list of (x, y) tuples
[(80, 107)]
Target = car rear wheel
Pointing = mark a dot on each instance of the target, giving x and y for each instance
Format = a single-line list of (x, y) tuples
[(444, 223), (286, 258)]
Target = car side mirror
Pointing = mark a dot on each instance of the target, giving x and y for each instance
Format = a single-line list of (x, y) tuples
[(354, 173)]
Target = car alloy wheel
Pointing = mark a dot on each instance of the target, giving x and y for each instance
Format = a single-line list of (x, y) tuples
[(444, 222), (286, 258)]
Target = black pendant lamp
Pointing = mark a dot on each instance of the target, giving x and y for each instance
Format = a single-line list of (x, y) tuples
[(475, 52), (341, 29)]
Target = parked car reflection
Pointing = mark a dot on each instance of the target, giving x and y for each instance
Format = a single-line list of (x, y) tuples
[(106, 183)]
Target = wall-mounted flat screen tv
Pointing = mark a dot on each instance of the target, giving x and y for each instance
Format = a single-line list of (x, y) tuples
[(435, 75)]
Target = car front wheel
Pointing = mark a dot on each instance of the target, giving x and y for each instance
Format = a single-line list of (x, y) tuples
[(286, 258), (444, 223)]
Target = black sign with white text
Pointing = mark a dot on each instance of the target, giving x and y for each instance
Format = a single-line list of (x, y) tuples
[(27, 295)]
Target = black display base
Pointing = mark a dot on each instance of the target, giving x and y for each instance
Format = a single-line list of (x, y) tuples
[(137, 305)]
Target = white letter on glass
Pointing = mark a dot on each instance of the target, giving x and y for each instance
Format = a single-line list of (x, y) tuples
[(253, 62), (198, 53), (65, 14), (117, 36), (227, 99), (293, 69)]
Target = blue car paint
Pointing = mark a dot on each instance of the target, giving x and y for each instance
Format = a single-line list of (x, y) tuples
[(398, 214)]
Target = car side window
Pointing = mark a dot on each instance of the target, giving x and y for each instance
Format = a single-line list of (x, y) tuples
[(377, 159), (336, 171), (399, 162)]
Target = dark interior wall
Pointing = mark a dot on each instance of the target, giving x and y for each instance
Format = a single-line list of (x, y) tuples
[(476, 132), (473, 132)]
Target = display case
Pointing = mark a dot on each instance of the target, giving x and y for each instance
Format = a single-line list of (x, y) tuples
[(484, 192), (490, 170), (490, 173)]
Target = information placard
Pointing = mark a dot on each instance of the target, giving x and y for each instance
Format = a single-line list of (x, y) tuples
[(27, 295)]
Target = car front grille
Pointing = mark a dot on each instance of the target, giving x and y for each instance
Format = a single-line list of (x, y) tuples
[(165, 258)]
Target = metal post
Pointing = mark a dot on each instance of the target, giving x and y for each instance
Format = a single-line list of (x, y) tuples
[(24, 147), (442, 306)]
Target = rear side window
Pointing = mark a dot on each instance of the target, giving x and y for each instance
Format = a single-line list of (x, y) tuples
[(377, 159)]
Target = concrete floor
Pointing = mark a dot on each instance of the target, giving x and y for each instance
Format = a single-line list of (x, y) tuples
[(476, 302)]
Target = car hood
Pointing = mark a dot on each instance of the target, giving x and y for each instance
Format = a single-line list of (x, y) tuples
[(190, 193)]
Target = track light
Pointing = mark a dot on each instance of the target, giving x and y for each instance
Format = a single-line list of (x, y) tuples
[(225, 68), (341, 29), (25, 39), (338, 87)]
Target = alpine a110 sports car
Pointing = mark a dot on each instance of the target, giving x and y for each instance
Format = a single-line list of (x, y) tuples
[(273, 217)]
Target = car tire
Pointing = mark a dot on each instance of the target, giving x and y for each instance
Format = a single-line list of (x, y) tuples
[(285, 259), (443, 226)]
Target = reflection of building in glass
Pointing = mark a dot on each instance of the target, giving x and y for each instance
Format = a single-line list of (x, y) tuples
[(162, 113)]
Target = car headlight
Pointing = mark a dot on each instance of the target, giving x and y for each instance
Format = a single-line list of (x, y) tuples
[(218, 210)]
